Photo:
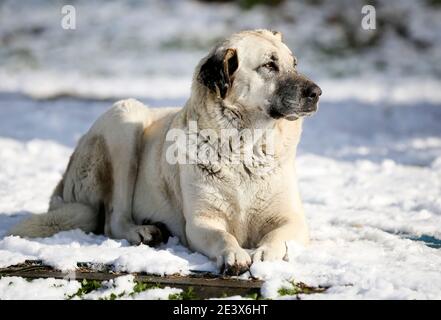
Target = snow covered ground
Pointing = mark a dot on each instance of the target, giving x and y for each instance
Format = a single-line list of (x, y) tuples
[(369, 162), (370, 176)]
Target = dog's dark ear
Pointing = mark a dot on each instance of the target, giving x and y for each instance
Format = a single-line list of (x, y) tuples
[(218, 71), (278, 34)]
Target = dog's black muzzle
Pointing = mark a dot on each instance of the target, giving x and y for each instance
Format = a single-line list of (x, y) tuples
[(295, 96)]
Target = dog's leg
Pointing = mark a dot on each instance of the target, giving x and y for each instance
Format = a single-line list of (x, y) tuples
[(273, 245), (56, 200), (210, 237), (124, 125)]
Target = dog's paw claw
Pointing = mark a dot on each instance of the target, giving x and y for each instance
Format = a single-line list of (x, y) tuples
[(234, 262), (234, 270)]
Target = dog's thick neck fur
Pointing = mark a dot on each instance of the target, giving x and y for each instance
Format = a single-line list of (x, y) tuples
[(226, 115)]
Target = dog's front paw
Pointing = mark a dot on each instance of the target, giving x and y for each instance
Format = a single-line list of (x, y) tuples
[(149, 235), (234, 262), (270, 252)]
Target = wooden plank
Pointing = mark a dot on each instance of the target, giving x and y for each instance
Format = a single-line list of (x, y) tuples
[(204, 285)]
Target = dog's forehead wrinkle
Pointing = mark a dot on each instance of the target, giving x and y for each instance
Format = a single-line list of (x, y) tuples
[(253, 39), (257, 45)]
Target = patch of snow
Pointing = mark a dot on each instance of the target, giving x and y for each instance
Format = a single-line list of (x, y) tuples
[(119, 286), (16, 288), (156, 294), (65, 249), (122, 288)]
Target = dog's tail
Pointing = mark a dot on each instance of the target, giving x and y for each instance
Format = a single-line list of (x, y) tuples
[(66, 217)]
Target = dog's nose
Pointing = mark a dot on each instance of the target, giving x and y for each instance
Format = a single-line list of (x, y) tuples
[(312, 91)]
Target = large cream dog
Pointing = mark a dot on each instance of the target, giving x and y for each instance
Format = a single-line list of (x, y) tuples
[(120, 180)]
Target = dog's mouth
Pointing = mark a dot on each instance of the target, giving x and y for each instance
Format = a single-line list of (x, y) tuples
[(295, 112)]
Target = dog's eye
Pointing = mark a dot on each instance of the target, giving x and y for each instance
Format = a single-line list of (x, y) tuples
[(271, 66)]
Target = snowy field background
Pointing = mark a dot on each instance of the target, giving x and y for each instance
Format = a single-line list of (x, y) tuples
[(369, 162)]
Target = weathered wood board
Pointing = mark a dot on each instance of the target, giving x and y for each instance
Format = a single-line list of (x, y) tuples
[(204, 285)]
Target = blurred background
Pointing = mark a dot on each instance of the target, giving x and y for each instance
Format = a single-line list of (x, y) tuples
[(149, 48)]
